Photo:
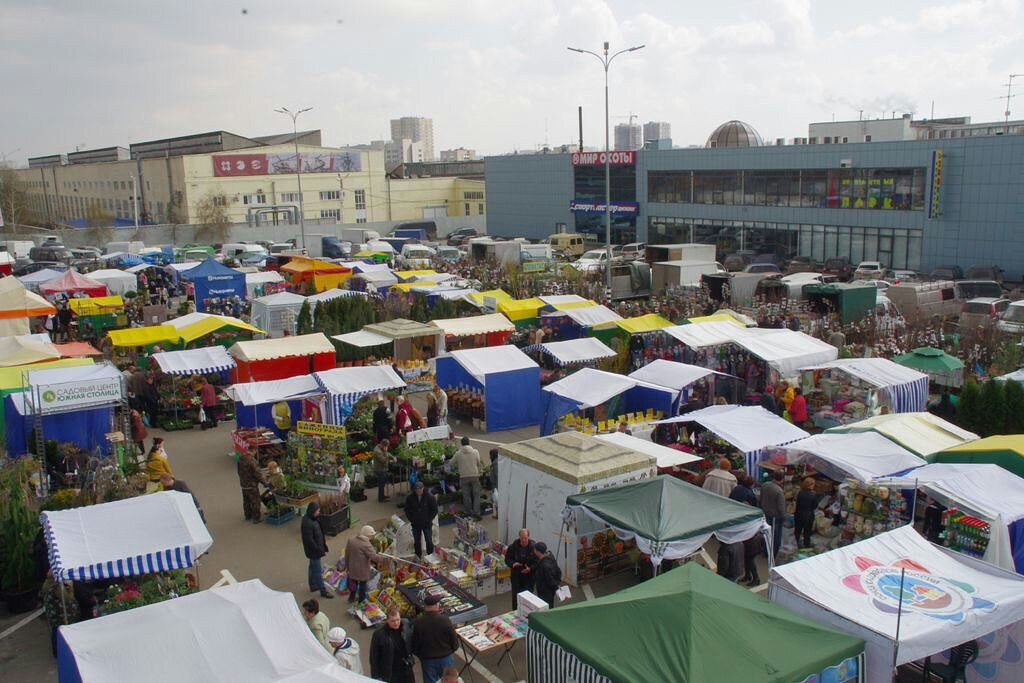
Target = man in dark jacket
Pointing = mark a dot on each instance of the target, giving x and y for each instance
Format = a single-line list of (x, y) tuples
[(743, 492), (381, 421), (421, 508), (391, 650), (773, 503), (520, 559), (315, 547), (434, 640), (249, 477), (547, 575)]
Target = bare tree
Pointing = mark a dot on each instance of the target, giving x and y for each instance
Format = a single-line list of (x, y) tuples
[(212, 217), (13, 199)]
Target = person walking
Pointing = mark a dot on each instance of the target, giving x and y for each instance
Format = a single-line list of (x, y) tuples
[(249, 478), (798, 407), (208, 400), (421, 509), (520, 559), (359, 554), (434, 640), (441, 400), (720, 481), (344, 649), (314, 545), (467, 460), (391, 649), (381, 460), (317, 621), (773, 503), (803, 517), (547, 575)]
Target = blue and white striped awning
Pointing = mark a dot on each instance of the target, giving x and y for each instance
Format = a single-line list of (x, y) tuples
[(195, 361), (906, 388), (345, 386), (141, 535)]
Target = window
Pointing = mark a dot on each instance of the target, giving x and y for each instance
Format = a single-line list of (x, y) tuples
[(292, 196), (330, 195), (360, 199), (360, 220), (147, 186), (258, 198), (467, 208), (867, 138), (124, 185), (480, 209), (330, 213), (472, 195), (218, 200)]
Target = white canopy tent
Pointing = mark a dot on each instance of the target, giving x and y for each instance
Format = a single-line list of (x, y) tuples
[(194, 361), (666, 457), (254, 281), (481, 362), (140, 535), (329, 295), (591, 387), (277, 313), (590, 316), (559, 299), (574, 351), (786, 351), (473, 325), (945, 599), (239, 632), (712, 333), (905, 389), (345, 386), (33, 280), (862, 456), (669, 373), (750, 429), (255, 393), (362, 338), (920, 433), (117, 281), (1016, 376)]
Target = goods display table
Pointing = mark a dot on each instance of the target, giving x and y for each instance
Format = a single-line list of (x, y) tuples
[(263, 443), (456, 604), (502, 631)]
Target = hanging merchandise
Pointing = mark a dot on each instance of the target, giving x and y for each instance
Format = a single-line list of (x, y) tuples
[(869, 510), (964, 533)]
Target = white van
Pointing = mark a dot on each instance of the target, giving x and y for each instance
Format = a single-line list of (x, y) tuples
[(239, 251), (134, 247)]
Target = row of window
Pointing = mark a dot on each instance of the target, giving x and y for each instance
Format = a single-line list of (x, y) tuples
[(895, 248), (108, 185), (472, 195), (479, 209), (844, 188)]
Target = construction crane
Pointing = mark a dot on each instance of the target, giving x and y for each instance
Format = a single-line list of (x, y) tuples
[(631, 116)]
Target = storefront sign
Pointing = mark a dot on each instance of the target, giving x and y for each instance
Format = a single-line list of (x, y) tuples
[(935, 200), (534, 267), (617, 158), (618, 208), (227, 165), (59, 398), (241, 445), (320, 429), (438, 433)]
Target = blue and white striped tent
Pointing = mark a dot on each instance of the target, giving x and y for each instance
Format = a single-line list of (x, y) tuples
[(195, 361), (345, 386), (905, 389), (142, 535)]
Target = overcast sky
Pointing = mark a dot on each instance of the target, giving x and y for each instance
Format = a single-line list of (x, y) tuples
[(494, 76)]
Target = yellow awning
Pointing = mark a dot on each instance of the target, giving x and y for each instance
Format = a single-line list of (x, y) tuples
[(520, 309), (573, 304), (324, 281), (716, 318), (1001, 442), (368, 254), (96, 305), (499, 294), (144, 336), (10, 378), (643, 323), (212, 324), (298, 264)]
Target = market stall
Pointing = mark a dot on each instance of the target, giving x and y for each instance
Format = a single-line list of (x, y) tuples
[(86, 429), (536, 476), (667, 459), (374, 282), (572, 323), (920, 433), (12, 380), (277, 313), (33, 280), (747, 429), (686, 625), (409, 345), (558, 359), (179, 368), (475, 332), (869, 383), (861, 456), (602, 397), (345, 386), (223, 330), (117, 281), (942, 368), (674, 375), (214, 283), (262, 283), (18, 306), (640, 334), (268, 359), (25, 350), (907, 598), (309, 275), (1006, 450), (94, 316), (241, 631), (522, 312), (71, 283), (984, 515), (276, 405), (499, 386)]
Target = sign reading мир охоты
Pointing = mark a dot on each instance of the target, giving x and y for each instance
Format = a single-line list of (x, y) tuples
[(616, 158)]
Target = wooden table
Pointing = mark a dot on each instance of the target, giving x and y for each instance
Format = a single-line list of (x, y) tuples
[(470, 650)]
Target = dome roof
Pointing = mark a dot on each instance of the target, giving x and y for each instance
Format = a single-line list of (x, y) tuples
[(734, 134)]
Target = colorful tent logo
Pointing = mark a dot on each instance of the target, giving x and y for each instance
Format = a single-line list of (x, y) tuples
[(49, 396), (922, 592)]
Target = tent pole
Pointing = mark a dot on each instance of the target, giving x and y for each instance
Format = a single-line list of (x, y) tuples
[(899, 618), (63, 603)]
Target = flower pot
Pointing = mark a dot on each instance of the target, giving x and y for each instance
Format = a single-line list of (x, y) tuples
[(19, 602)]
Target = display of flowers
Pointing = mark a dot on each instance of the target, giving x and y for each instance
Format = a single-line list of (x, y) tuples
[(146, 590)]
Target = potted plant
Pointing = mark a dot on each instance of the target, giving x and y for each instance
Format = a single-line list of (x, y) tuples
[(20, 580)]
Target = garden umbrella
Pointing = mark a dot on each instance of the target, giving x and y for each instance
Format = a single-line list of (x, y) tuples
[(936, 363)]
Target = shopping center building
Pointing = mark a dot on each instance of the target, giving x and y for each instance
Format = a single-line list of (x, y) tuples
[(911, 204)]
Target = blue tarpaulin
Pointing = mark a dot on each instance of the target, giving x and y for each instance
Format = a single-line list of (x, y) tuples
[(86, 428), (213, 280), (511, 385)]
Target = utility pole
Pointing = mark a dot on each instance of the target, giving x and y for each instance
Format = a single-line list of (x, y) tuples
[(1008, 96), (298, 165)]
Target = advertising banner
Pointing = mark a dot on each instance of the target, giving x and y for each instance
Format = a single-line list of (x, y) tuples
[(229, 165), (935, 200), (618, 208), (616, 158), (60, 398), (319, 429)]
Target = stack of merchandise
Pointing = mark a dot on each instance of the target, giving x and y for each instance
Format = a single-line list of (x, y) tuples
[(497, 630), (456, 604), (869, 510), (602, 553), (964, 533), (260, 441)]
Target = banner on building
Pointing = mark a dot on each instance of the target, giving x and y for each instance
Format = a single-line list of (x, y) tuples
[(60, 398), (935, 199), (228, 165), (617, 208), (617, 158)]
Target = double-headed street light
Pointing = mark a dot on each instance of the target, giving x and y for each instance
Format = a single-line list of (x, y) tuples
[(606, 62), (298, 164)]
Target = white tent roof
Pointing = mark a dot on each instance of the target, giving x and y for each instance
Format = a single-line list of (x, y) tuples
[(748, 428), (879, 372), (182, 267), (666, 457), (863, 455), (255, 393), (359, 381), (194, 361), (787, 351), (128, 537), (669, 373), (139, 267), (577, 350), (713, 333), (988, 490), (117, 281), (590, 316), (40, 276), (238, 632), (76, 373), (268, 349), (591, 387), (920, 433), (194, 317), (332, 293), (481, 362), (25, 348), (280, 299), (947, 599), (379, 278), (477, 324), (262, 276), (363, 267), (556, 299), (362, 338), (380, 246), (1016, 376)]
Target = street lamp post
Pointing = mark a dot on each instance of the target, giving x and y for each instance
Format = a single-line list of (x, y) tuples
[(606, 62), (298, 165)]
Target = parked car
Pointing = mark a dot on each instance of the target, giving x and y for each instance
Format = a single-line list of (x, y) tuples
[(36, 266), (449, 254), (947, 272), (591, 260), (869, 270), (982, 311), (460, 236), (769, 268), (985, 273), (840, 267), (51, 252), (737, 261), (880, 285), (902, 276), (801, 264), (972, 289), (634, 251), (1012, 319)]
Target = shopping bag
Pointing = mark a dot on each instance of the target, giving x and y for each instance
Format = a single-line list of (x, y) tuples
[(202, 415), (563, 593)]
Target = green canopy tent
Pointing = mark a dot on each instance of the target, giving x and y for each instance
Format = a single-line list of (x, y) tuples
[(668, 518), (686, 626), (941, 367)]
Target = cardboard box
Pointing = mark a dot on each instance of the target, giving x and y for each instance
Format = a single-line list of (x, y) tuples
[(485, 586), (502, 585), (528, 604)]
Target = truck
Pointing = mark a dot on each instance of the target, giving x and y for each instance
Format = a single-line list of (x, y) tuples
[(851, 301), (666, 274), (421, 230), (925, 300), (659, 253), (18, 248), (535, 252), (412, 234), (483, 248), (630, 280), (358, 235)]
